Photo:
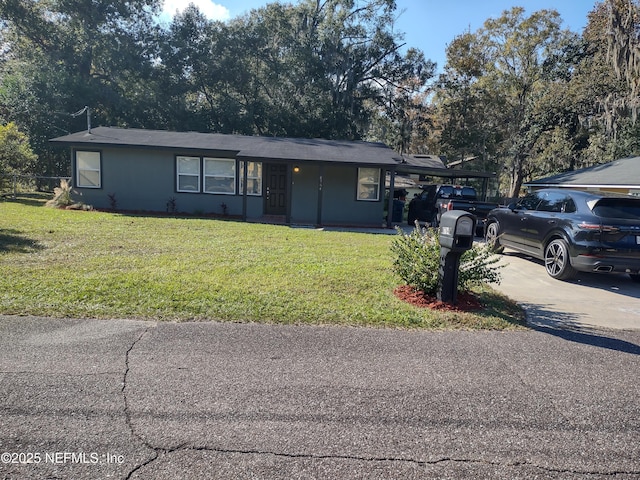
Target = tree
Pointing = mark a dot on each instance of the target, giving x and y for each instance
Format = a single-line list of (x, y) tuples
[(190, 72), (72, 53), (495, 87), (16, 156), (316, 69), (466, 106), (401, 119), (623, 48), (319, 68), (602, 85)]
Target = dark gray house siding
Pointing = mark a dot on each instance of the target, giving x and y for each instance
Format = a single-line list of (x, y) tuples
[(340, 198), (326, 194), (145, 180), (303, 181), (307, 194)]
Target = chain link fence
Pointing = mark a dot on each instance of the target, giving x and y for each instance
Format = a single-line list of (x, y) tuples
[(14, 185)]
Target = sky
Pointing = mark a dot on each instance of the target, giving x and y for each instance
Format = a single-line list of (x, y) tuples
[(429, 25)]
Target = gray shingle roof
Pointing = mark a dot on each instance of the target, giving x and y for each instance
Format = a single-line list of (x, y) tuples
[(624, 172), (427, 161), (294, 149), (433, 165)]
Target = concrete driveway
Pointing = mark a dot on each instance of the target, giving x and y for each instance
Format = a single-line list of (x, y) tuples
[(86, 399), (591, 300)]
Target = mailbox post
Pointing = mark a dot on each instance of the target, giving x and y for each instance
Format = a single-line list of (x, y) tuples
[(457, 228)]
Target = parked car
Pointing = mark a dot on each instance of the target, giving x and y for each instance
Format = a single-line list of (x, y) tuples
[(434, 200), (571, 231)]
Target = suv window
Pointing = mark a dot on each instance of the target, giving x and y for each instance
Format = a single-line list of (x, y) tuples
[(618, 208), (530, 202), (570, 206), (557, 203)]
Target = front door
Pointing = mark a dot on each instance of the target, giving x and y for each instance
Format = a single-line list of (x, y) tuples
[(276, 189)]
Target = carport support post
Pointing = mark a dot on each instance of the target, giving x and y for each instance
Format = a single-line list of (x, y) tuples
[(320, 196), (245, 175), (392, 187), (448, 276), (485, 189)]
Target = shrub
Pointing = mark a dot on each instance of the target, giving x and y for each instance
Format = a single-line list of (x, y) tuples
[(61, 196), (113, 201), (172, 205), (418, 260)]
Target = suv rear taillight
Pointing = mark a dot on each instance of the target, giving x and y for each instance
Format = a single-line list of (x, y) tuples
[(450, 206), (596, 227)]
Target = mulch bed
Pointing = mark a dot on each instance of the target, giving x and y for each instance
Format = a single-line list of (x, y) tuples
[(466, 301)]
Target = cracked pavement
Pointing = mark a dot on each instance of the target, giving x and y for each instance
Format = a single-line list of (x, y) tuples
[(144, 400)]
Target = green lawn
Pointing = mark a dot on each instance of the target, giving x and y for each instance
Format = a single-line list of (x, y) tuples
[(66, 263)]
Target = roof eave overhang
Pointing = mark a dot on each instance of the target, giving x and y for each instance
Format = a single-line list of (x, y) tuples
[(442, 172), (172, 148), (389, 165)]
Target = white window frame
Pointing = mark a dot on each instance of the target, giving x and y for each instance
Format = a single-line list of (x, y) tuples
[(180, 174), (257, 178), (91, 157), (230, 178), (363, 181)]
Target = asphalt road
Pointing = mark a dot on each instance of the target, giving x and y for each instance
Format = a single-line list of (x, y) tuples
[(142, 400)]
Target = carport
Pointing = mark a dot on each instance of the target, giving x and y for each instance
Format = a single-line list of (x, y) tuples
[(432, 166)]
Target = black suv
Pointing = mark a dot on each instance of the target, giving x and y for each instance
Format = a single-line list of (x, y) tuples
[(571, 231)]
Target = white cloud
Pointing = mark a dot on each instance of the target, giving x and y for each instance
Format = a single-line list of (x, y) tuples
[(209, 9)]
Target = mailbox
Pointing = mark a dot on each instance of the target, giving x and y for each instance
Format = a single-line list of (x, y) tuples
[(456, 236), (457, 229)]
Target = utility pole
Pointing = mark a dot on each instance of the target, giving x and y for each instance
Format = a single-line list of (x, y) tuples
[(80, 112)]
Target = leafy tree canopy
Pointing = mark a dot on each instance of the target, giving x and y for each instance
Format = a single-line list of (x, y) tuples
[(16, 156)]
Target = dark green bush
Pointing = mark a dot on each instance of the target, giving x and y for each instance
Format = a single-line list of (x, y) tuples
[(418, 260)]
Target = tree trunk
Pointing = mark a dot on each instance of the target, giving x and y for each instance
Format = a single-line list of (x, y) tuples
[(516, 177)]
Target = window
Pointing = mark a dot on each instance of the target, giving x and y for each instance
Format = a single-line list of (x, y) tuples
[(556, 203), (220, 175), (254, 178), (368, 184), (468, 193), (617, 208), (188, 173), (530, 202), (445, 191), (88, 174)]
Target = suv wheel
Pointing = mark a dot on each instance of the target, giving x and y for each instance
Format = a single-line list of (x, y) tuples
[(492, 237), (556, 260)]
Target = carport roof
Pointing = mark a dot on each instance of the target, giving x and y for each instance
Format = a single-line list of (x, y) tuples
[(249, 147), (433, 165), (621, 173)]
